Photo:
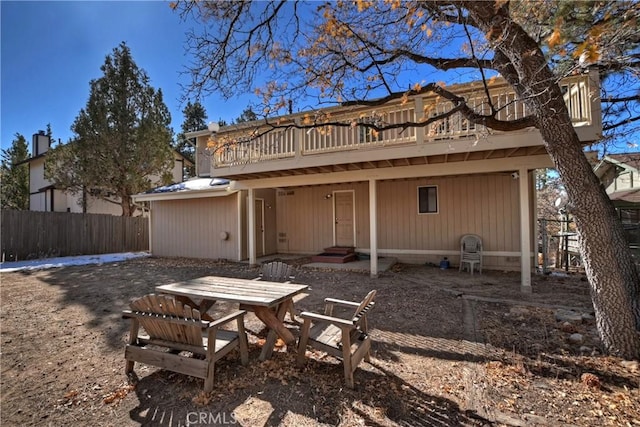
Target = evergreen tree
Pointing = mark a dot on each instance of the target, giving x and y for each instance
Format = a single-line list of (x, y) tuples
[(14, 177), (195, 119), (122, 137), (248, 115)]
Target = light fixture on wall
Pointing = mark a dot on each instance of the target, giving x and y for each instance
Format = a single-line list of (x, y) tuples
[(328, 196), (213, 127), (515, 175)]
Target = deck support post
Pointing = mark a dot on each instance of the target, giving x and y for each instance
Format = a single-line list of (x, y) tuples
[(373, 226), (251, 208), (525, 230)]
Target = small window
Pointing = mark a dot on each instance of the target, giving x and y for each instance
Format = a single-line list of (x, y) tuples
[(428, 199)]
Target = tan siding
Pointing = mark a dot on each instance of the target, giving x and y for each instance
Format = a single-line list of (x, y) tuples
[(244, 226), (486, 205), (270, 230), (191, 228), (305, 217)]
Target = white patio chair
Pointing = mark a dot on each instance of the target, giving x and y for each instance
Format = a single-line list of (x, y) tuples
[(471, 252)]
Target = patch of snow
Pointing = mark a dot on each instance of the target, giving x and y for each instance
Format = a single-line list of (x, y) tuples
[(192, 184), (41, 264)]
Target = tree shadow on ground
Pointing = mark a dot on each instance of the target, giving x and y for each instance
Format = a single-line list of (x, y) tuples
[(413, 314), (275, 392), (106, 289)]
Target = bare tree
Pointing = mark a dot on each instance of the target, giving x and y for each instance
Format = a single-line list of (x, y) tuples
[(369, 53)]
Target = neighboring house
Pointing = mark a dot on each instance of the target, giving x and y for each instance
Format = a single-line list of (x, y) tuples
[(409, 194), (43, 196), (620, 175)]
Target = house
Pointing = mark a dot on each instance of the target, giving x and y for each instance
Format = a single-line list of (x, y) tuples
[(43, 196), (620, 175), (409, 193)]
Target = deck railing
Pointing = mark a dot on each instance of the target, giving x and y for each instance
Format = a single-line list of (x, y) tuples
[(351, 135)]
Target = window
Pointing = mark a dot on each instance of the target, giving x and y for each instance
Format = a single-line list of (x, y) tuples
[(428, 199)]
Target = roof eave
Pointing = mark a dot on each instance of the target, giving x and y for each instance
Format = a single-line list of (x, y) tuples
[(185, 194)]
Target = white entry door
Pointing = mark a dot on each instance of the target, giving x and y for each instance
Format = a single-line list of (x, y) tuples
[(344, 218)]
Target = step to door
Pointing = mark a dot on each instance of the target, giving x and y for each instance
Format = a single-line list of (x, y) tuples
[(336, 258), (344, 250)]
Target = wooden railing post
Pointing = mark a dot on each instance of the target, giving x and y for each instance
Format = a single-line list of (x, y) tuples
[(419, 115)]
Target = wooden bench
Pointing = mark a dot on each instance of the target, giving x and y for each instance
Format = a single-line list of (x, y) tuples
[(346, 338), (171, 328)]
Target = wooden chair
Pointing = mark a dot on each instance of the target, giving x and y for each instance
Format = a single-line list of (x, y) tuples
[(277, 271), (172, 327), (346, 338), (471, 252)]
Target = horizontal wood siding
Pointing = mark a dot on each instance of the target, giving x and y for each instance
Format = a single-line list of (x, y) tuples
[(192, 227), (29, 234)]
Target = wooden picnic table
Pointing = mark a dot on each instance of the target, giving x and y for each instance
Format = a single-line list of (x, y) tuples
[(264, 298)]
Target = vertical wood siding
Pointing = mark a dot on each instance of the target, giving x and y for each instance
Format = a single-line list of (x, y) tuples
[(486, 205), (270, 228), (305, 217), (191, 228)]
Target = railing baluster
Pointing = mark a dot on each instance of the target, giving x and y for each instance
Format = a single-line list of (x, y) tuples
[(282, 143)]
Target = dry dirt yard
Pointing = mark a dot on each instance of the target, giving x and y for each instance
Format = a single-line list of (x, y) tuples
[(450, 349)]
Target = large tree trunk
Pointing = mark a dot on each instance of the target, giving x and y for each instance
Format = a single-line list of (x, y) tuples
[(613, 278), (605, 252), (127, 207)]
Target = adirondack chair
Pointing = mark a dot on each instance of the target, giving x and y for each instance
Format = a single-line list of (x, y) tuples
[(277, 271), (471, 252), (345, 338), (172, 327)]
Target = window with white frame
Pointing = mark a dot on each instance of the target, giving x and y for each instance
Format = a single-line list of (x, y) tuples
[(428, 199)]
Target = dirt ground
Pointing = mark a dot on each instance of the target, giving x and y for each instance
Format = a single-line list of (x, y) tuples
[(449, 349)]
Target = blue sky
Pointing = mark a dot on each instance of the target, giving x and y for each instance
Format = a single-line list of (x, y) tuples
[(52, 49)]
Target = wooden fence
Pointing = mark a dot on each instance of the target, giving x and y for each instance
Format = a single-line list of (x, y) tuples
[(30, 235)]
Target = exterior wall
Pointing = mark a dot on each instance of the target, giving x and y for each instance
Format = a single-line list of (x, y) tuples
[(192, 228), (270, 228), (38, 202), (36, 175), (94, 205), (305, 217), (270, 223), (487, 205)]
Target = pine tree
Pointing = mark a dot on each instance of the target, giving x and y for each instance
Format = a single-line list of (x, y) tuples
[(195, 119), (122, 137), (14, 193), (248, 115)]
